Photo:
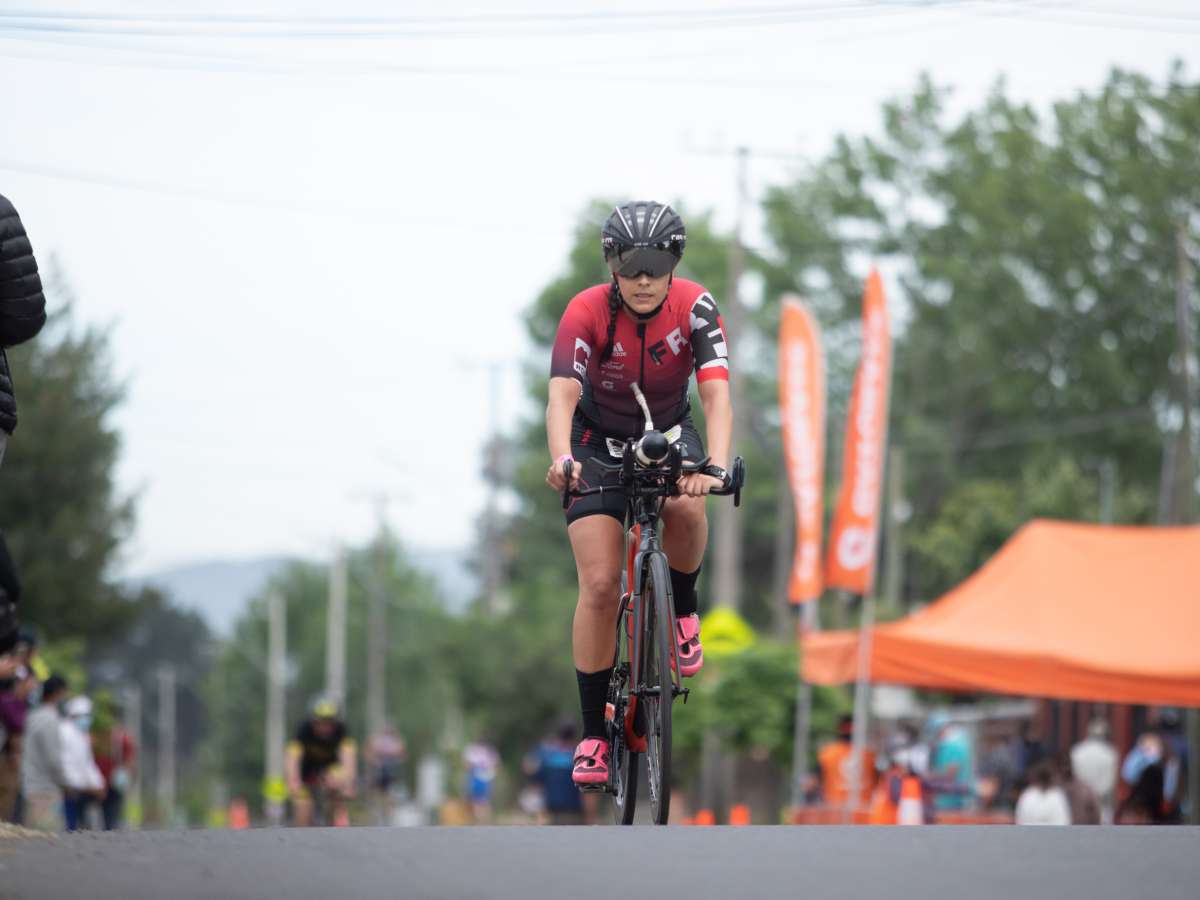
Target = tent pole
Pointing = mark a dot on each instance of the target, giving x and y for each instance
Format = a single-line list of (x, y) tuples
[(808, 624)]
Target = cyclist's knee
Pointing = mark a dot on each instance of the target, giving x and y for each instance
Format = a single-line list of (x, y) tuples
[(686, 511), (599, 590)]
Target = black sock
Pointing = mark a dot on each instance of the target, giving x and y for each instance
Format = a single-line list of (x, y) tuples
[(593, 694), (683, 587)]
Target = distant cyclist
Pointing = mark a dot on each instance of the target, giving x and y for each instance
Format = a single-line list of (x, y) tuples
[(321, 765), (649, 327)]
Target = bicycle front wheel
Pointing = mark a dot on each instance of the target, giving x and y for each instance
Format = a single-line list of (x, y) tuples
[(658, 684)]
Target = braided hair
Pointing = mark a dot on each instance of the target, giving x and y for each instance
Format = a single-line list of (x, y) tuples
[(614, 307)]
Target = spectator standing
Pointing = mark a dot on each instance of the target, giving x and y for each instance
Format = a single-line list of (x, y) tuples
[(384, 756), (950, 762), (42, 776), (116, 758), (1085, 808), (550, 766), (1043, 802), (482, 763), (22, 307), (1094, 761), (83, 779), (14, 709), (1143, 770), (837, 772), (998, 772)]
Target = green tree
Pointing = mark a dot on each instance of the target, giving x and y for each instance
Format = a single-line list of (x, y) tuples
[(1033, 273), (63, 516)]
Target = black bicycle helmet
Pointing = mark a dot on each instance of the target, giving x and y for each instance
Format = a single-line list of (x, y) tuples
[(643, 236)]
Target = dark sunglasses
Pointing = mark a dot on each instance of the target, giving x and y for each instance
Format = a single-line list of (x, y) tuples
[(655, 261)]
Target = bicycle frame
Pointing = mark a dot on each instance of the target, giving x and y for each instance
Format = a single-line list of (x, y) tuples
[(642, 541)]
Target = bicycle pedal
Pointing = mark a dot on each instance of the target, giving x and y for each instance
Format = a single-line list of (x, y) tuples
[(685, 692), (593, 788)]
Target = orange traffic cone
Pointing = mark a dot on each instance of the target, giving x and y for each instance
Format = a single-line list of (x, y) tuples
[(739, 814), (706, 817), (911, 809), (239, 814)]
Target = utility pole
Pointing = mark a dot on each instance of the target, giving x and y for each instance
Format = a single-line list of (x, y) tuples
[(377, 642), (132, 721), (335, 637), (166, 744), (727, 532), (276, 687)]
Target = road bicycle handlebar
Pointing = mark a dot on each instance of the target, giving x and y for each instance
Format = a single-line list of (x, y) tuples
[(737, 477)]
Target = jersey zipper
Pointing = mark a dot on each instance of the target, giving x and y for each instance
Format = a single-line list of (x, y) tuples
[(641, 330)]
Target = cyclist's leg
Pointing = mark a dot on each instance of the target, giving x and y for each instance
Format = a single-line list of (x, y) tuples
[(685, 522), (684, 540), (302, 808), (598, 543), (685, 532)]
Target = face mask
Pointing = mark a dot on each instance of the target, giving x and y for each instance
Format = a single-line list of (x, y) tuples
[(83, 723)]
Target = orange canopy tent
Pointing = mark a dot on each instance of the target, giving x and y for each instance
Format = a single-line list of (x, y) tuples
[(1075, 611)]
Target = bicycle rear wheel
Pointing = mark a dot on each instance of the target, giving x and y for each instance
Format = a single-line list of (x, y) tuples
[(659, 685)]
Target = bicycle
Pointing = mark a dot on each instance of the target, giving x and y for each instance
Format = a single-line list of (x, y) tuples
[(638, 710)]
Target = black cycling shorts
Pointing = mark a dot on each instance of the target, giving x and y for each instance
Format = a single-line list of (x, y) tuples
[(588, 443)]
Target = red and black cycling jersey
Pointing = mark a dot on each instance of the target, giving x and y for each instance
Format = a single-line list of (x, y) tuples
[(660, 354)]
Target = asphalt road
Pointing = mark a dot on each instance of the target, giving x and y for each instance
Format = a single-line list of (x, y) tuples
[(966, 863)]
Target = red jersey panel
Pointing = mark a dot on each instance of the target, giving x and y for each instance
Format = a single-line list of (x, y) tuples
[(660, 354)]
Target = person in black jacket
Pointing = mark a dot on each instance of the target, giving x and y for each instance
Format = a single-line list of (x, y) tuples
[(22, 306), (22, 315)]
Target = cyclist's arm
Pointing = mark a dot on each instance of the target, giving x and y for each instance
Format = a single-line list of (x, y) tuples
[(294, 752), (564, 397), (718, 417), (348, 759)]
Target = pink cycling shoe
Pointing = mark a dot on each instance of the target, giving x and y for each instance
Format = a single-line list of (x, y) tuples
[(591, 762), (687, 639)]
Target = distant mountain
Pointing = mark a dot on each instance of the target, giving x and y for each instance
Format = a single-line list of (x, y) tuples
[(220, 589)]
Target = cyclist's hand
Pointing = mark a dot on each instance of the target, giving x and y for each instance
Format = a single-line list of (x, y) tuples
[(698, 484), (554, 476)]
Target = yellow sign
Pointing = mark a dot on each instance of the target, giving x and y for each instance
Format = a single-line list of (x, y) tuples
[(275, 790), (725, 633)]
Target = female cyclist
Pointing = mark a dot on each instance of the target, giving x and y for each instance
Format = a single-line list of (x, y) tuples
[(648, 327)]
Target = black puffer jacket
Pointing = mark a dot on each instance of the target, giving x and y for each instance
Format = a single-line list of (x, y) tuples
[(22, 305)]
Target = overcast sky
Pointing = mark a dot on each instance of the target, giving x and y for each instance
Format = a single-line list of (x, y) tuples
[(311, 238)]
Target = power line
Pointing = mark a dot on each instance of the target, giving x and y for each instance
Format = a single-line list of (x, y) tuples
[(378, 215), (609, 69), (258, 26)]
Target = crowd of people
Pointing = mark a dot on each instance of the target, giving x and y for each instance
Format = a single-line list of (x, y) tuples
[(922, 775), (65, 761)]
